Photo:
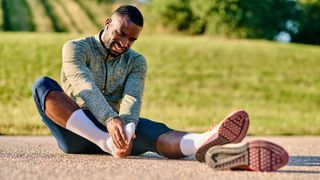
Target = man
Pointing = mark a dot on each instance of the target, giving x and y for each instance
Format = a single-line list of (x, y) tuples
[(100, 112)]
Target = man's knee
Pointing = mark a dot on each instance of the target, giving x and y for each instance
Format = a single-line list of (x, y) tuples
[(42, 84), (41, 88)]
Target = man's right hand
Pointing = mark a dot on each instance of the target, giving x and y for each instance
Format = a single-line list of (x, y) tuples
[(116, 130)]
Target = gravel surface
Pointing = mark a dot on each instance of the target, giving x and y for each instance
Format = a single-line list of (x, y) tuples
[(32, 157)]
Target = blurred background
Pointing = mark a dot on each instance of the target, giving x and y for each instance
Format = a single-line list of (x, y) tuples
[(206, 58)]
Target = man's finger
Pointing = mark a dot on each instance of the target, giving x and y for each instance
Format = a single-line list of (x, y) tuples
[(120, 140), (115, 142), (123, 135)]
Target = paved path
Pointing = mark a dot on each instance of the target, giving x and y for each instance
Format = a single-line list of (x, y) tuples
[(39, 158)]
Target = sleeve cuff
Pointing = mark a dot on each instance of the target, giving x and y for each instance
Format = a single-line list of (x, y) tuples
[(106, 121), (129, 120)]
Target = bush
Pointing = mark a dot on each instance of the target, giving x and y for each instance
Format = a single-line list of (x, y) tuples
[(17, 16), (309, 29), (174, 13)]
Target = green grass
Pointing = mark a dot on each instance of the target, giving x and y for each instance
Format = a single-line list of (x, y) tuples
[(192, 82)]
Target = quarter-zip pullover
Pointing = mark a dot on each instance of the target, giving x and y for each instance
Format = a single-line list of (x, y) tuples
[(107, 86)]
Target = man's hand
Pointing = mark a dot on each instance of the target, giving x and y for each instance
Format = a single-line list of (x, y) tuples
[(124, 152), (116, 130)]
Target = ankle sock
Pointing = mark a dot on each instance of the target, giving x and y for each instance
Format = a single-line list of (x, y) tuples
[(192, 141)]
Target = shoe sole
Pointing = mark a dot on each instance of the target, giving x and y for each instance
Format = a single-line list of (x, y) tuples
[(231, 130), (256, 155)]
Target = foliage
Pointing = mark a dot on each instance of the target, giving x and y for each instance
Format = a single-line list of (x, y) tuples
[(174, 13), (17, 16), (191, 82), (309, 30), (239, 18)]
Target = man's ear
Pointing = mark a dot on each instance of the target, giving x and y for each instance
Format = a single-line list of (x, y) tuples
[(107, 22)]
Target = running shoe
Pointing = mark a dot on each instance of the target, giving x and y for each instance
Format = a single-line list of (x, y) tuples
[(258, 155), (232, 129)]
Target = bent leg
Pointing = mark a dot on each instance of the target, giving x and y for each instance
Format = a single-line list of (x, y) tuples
[(68, 141)]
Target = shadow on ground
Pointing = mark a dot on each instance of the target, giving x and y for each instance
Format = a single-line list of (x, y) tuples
[(303, 161)]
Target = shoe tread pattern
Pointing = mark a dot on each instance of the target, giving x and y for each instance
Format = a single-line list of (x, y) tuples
[(232, 129)]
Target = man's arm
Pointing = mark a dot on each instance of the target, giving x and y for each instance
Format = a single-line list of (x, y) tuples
[(131, 103), (80, 77)]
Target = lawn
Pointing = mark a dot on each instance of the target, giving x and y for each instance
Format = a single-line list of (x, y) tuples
[(192, 82)]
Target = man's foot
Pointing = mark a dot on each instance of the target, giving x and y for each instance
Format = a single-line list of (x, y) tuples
[(256, 155), (231, 130)]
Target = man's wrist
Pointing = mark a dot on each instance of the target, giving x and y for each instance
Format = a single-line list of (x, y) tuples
[(106, 122)]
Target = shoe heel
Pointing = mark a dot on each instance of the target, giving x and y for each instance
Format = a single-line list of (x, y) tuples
[(220, 157)]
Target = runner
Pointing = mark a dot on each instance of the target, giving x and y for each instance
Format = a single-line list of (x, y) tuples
[(97, 109)]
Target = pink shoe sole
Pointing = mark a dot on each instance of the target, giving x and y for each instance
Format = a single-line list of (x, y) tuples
[(232, 129), (256, 155)]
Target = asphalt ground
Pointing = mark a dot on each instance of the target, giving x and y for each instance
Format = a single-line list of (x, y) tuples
[(33, 157)]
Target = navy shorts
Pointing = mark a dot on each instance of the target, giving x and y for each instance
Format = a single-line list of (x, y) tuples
[(147, 131)]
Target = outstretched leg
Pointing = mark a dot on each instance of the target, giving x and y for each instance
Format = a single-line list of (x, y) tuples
[(175, 144)]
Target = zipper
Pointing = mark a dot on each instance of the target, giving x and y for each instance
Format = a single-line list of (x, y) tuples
[(106, 77)]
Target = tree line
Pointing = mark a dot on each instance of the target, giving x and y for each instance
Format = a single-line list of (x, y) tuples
[(242, 18)]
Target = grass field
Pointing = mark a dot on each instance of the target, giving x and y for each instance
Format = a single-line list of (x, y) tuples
[(74, 16), (192, 82)]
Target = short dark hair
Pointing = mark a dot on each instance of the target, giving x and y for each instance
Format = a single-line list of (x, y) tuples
[(132, 13)]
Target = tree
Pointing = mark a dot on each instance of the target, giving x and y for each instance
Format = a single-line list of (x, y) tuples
[(231, 18), (309, 27)]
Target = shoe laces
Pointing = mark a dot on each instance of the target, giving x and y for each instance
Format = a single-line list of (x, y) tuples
[(213, 126)]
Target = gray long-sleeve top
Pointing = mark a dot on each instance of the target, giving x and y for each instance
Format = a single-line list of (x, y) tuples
[(108, 87)]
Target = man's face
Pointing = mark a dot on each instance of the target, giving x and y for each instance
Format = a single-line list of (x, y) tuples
[(119, 34)]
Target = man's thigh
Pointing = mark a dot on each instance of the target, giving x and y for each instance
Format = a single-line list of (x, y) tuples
[(147, 134)]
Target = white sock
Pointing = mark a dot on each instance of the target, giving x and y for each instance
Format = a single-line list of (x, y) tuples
[(130, 129), (191, 142), (80, 124)]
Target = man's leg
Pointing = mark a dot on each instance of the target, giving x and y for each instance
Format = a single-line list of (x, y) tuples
[(147, 134), (56, 107), (176, 144)]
